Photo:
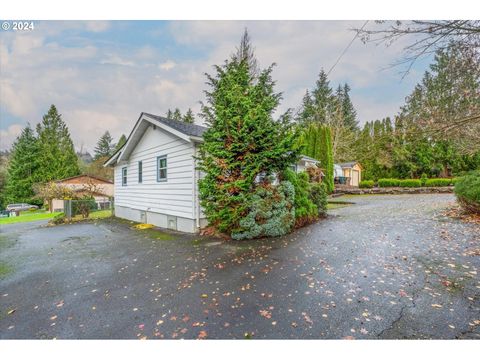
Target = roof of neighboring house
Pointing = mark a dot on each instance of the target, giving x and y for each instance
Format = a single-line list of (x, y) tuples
[(187, 129), (349, 164), (308, 158), (85, 175)]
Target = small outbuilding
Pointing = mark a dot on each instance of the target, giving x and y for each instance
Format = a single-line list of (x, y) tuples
[(348, 173)]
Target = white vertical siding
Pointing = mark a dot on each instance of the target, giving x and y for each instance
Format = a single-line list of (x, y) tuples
[(171, 197)]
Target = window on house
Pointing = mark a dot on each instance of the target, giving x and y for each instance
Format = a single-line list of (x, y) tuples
[(140, 172), (124, 176), (162, 168)]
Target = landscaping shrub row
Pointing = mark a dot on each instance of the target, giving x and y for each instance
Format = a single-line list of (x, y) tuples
[(368, 184)]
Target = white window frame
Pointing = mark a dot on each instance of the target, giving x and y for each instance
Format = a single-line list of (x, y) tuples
[(124, 176), (159, 158)]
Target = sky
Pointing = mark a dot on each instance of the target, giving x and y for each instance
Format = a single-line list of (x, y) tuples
[(102, 74)]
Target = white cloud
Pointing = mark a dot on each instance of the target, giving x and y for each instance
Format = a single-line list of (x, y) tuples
[(167, 65), (8, 136)]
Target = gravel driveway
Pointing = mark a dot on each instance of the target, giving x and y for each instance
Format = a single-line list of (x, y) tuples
[(389, 266)]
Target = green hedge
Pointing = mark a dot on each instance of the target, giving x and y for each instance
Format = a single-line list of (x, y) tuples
[(366, 184), (467, 190), (411, 183), (388, 182), (439, 182)]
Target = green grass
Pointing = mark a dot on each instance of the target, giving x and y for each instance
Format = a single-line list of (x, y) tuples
[(27, 217), (332, 206), (4, 270), (101, 214)]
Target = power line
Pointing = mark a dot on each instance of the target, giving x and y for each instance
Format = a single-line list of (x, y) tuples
[(346, 49)]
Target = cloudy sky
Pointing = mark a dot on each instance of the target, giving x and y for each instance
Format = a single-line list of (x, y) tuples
[(101, 75)]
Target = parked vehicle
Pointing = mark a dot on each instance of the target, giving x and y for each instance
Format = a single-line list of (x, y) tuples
[(20, 207)]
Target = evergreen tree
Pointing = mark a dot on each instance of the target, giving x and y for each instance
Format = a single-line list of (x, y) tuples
[(177, 115), (56, 155), (169, 114), (121, 142), (104, 146), (316, 141), (243, 140), (349, 112), (188, 117), (22, 168)]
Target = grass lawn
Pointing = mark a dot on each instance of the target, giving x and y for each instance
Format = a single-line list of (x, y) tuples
[(101, 214), (27, 217)]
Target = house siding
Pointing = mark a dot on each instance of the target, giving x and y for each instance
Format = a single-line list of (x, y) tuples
[(158, 199)]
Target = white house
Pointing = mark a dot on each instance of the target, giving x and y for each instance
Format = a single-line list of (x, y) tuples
[(156, 180)]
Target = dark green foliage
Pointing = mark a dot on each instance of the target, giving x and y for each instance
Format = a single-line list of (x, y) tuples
[(410, 183), (271, 212), (22, 167), (56, 156), (367, 184), (467, 190), (305, 209), (423, 138), (188, 117), (439, 182), (388, 182), (121, 142), (318, 195), (242, 141), (316, 140), (104, 146)]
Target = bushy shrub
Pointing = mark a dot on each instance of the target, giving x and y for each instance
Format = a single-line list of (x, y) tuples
[(58, 219), (271, 212), (305, 209), (424, 179), (368, 184), (410, 183), (83, 206), (439, 182), (388, 182), (318, 195), (467, 190)]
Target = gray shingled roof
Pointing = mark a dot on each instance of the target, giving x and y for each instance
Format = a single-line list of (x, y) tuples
[(347, 164), (187, 129)]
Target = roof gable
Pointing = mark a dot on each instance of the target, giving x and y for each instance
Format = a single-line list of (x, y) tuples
[(185, 131)]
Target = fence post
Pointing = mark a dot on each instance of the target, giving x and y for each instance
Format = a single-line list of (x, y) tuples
[(67, 209)]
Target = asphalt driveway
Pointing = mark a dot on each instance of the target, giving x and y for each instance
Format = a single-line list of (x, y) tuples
[(386, 267)]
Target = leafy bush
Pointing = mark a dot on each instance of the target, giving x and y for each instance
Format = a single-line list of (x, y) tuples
[(439, 182), (58, 219), (410, 183), (271, 212), (318, 195), (83, 206), (467, 190), (366, 184), (388, 182), (424, 179), (305, 209)]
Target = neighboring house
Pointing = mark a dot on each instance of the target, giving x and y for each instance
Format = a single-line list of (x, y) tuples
[(349, 173), (156, 180), (85, 185)]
